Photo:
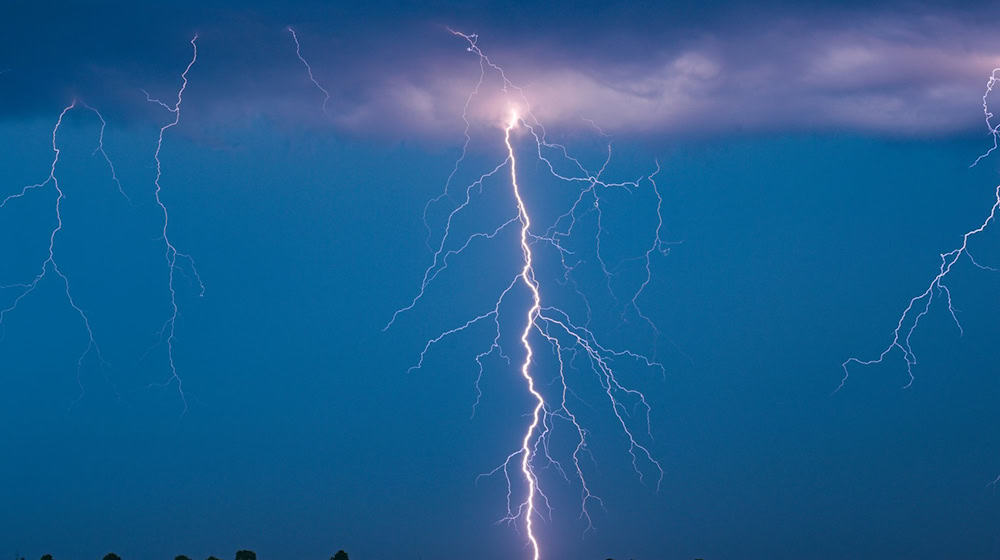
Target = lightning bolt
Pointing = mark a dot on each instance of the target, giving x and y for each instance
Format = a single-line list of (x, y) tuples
[(171, 254), (51, 263), (566, 339), (528, 277), (309, 70), (920, 304)]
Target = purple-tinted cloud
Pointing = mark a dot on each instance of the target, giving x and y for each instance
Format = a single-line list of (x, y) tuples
[(892, 75), (889, 70)]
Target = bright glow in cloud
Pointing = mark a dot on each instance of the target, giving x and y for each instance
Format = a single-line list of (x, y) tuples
[(899, 77), (885, 70)]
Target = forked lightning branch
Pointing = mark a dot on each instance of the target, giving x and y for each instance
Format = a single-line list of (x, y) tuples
[(544, 326)]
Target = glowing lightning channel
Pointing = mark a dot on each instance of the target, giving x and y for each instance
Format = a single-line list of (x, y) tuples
[(171, 253), (920, 304), (50, 263), (566, 339), (528, 277), (309, 70)]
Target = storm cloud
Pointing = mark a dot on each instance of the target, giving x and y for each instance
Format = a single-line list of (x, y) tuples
[(895, 70)]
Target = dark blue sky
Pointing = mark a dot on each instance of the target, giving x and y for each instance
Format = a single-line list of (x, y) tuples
[(810, 210)]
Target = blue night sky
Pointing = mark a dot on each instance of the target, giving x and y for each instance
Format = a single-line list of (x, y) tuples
[(814, 165)]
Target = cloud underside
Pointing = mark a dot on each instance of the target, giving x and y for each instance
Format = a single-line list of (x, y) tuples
[(890, 77), (887, 72)]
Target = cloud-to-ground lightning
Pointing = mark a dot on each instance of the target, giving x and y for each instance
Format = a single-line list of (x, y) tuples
[(172, 255), (920, 304), (569, 340)]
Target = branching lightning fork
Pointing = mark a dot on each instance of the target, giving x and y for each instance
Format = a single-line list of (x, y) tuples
[(542, 322), (920, 304), (172, 255), (51, 263)]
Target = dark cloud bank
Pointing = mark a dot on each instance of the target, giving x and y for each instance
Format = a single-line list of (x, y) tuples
[(902, 69)]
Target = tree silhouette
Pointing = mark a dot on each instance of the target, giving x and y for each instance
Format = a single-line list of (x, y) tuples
[(340, 555), (211, 558), (47, 557), (246, 555), (181, 557), (112, 556)]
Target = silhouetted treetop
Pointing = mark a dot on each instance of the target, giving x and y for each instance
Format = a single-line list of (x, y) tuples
[(181, 557), (246, 555), (112, 556), (340, 555), (47, 557)]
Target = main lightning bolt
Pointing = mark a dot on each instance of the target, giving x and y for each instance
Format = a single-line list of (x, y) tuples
[(528, 277), (171, 254), (566, 339), (920, 304)]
